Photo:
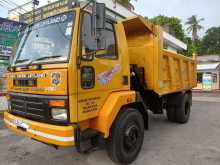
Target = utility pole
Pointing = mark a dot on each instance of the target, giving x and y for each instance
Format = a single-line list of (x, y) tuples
[(35, 3), (94, 17)]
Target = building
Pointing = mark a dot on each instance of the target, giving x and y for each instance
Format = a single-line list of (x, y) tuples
[(9, 31), (208, 76)]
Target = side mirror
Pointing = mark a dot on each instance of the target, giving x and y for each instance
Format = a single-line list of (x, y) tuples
[(100, 15)]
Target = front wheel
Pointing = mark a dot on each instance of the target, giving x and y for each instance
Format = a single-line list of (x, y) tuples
[(126, 136)]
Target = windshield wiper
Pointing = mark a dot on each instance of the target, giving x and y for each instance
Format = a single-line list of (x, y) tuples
[(41, 58), (48, 57), (38, 59), (21, 61)]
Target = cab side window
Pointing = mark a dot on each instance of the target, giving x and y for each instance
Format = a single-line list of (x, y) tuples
[(107, 42), (104, 46)]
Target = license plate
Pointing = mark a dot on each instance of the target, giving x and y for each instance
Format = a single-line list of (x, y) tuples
[(20, 124)]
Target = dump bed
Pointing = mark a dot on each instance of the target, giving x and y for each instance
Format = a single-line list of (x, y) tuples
[(165, 71)]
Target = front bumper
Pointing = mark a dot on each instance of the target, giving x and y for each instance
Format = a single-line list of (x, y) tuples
[(46, 133)]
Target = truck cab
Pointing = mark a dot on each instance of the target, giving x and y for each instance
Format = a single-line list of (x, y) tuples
[(60, 76)]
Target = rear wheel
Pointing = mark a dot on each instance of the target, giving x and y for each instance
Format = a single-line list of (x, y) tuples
[(179, 107), (183, 111), (126, 136)]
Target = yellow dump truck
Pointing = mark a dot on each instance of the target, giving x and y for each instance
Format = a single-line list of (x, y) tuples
[(80, 76)]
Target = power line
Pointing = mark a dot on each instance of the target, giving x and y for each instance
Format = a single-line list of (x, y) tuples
[(6, 2), (12, 2), (16, 5), (13, 5), (18, 8), (9, 6), (4, 5)]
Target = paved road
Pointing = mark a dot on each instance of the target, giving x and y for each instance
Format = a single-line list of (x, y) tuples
[(207, 97), (195, 143)]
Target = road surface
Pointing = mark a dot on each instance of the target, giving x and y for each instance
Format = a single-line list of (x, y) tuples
[(165, 143)]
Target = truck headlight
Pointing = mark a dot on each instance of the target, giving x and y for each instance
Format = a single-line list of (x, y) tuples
[(59, 114)]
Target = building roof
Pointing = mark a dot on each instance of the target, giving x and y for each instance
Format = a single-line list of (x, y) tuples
[(209, 58), (208, 66), (174, 42)]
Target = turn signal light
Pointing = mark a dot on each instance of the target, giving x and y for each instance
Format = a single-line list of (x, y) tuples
[(56, 103)]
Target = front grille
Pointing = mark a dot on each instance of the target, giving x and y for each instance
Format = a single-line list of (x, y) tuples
[(35, 107), (31, 107)]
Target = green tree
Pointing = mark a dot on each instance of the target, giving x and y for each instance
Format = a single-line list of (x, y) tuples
[(173, 22), (178, 32), (193, 46), (211, 41), (194, 26)]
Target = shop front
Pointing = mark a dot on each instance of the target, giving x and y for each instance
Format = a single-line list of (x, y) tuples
[(208, 77), (9, 34)]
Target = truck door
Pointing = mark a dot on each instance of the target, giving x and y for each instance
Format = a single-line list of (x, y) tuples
[(99, 73)]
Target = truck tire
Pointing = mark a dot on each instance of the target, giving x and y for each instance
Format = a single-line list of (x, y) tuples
[(179, 107), (126, 136), (183, 109), (171, 113)]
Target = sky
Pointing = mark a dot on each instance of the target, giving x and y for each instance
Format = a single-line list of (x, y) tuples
[(183, 9)]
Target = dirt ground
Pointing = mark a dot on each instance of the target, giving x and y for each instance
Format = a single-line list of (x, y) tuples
[(194, 143)]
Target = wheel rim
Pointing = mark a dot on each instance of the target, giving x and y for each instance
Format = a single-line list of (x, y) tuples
[(131, 137)]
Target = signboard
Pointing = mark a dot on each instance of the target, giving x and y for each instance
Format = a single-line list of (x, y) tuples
[(47, 11), (9, 31), (60, 6), (207, 81)]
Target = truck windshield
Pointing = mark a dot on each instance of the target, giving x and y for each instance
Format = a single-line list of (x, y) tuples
[(46, 41)]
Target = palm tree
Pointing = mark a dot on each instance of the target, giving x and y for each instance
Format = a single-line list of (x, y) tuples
[(194, 26)]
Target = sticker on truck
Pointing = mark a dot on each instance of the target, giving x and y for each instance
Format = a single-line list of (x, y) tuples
[(106, 76)]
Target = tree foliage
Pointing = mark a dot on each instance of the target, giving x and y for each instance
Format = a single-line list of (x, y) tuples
[(173, 22), (209, 44), (193, 47), (194, 26), (211, 41)]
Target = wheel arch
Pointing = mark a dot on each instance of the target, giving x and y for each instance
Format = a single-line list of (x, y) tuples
[(140, 107), (116, 103)]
